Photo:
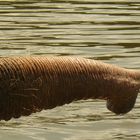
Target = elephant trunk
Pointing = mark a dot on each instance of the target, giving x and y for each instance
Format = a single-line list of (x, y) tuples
[(124, 96), (30, 84)]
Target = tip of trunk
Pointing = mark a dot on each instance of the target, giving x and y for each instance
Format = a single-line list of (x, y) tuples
[(123, 104)]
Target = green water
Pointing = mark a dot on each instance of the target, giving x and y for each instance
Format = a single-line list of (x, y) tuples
[(108, 30)]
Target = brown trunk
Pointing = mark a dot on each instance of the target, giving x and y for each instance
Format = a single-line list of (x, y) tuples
[(30, 84)]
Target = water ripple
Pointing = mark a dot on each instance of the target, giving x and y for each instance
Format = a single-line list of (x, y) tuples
[(108, 30)]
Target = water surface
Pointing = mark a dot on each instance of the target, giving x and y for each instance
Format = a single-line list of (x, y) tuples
[(108, 30)]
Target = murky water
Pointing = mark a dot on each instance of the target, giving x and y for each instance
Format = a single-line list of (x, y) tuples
[(108, 30)]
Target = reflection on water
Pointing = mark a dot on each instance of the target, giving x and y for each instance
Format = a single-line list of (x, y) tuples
[(108, 30)]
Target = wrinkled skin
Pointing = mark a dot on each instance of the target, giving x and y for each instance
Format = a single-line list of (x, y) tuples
[(30, 84)]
